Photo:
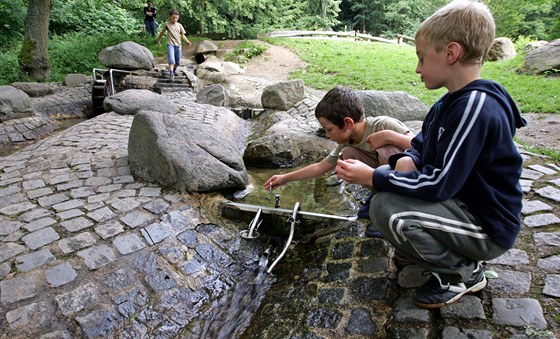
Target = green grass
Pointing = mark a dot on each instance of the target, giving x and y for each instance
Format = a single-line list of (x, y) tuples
[(380, 66), (245, 51)]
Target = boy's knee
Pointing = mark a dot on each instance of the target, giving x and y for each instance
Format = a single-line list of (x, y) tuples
[(379, 210)]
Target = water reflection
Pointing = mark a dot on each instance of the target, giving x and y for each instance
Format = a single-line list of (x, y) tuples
[(320, 195)]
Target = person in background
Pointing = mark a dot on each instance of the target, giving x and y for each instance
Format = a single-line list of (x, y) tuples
[(150, 21), (175, 32), (454, 200), (371, 140)]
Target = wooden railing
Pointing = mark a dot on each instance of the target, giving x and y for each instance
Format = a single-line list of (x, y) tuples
[(350, 34)]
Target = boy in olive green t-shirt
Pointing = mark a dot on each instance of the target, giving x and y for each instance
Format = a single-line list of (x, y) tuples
[(175, 32)]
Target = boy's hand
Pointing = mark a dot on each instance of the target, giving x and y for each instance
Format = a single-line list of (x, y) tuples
[(354, 172), (378, 139), (275, 181)]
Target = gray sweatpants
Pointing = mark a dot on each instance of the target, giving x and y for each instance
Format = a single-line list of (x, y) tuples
[(442, 237)]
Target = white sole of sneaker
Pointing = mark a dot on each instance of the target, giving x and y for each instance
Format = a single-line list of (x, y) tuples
[(473, 289)]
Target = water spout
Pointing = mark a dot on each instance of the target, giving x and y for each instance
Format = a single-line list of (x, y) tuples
[(293, 220)]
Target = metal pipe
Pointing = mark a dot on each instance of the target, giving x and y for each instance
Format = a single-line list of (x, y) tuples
[(290, 237)]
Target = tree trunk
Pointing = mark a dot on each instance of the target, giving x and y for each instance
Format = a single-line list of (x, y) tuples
[(202, 16), (34, 55)]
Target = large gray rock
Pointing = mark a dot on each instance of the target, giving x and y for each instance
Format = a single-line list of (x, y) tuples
[(131, 101), (14, 103), (206, 46), (175, 151), (215, 95), (502, 49), (127, 55), (534, 45), (399, 105), (243, 91), (283, 95), (543, 58), (34, 89), (76, 79), (283, 141)]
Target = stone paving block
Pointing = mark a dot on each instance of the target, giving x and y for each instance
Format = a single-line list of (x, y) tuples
[(33, 184), (552, 285), (30, 318), (16, 289), (125, 205), (125, 193), (28, 262), (123, 179), (39, 223), (550, 264), (549, 192), (10, 190), (109, 229), (137, 218), (124, 170), (150, 192), (534, 206), (178, 221), (8, 226), (97, 181), (102, 214), (551, 239), (157, 206), (98, 198), (60, 275), (70, 214), (155, 233), (98, 256), (72, 244), (40, 238), (34, 214), (513, 257), (40, 192), (406, 311), (78, 299), (161, 280), (108, 188), (68, 205), (69, 185), (76, 224), (542, 169), (10, 250), (81, 192), (510, 281), (99, 323), (526, 185), (50, 200), (539, 220), (128, 243), (56, 335), (13, 200), (17, 208), (518, 312), (360, 323), (531, 174), (465, 333), (409, 333), (94, 206), (4, 270), (468, 307), (58, 179)]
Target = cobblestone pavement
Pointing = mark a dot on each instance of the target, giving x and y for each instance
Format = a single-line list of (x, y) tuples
[(87, 250)]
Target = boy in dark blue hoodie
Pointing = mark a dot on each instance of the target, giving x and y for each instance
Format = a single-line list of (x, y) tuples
[(454, 199)]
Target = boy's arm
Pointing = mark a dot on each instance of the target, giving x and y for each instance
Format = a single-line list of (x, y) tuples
[(389, 137), (184, 37), (160, 35), (308, 172)]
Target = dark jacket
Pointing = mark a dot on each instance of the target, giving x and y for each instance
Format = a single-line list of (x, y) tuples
[(466, 151)]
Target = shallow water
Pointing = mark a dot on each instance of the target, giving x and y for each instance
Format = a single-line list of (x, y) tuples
[(314, 195)]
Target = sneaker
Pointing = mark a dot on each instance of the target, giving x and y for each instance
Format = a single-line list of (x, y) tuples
[(171, 77), (363, 211), (436, 293)]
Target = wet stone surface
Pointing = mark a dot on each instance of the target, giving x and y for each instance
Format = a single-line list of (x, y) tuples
[(87, 250)]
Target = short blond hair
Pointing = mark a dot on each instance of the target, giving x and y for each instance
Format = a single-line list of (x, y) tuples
[(468, 23)]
